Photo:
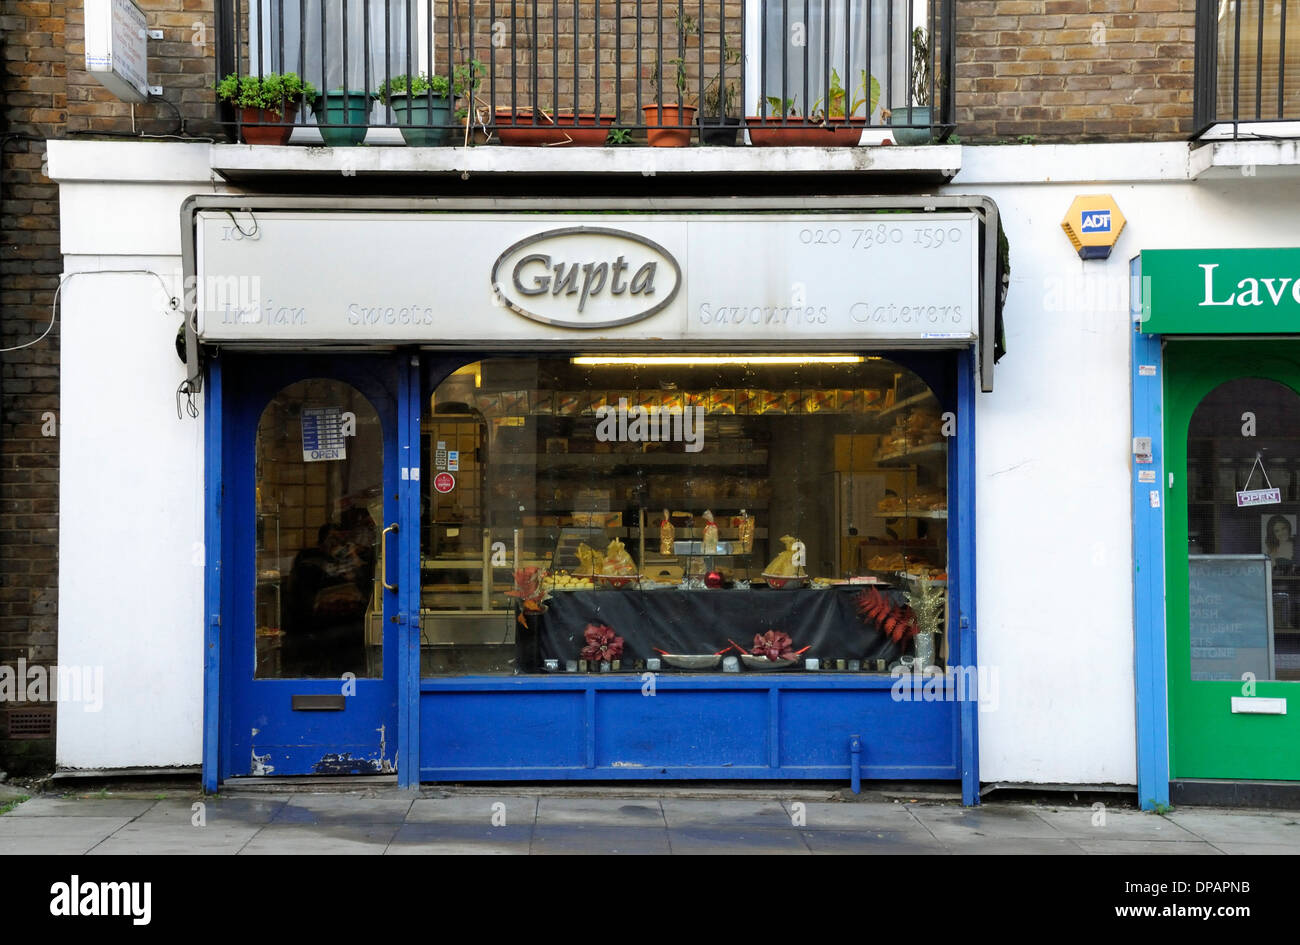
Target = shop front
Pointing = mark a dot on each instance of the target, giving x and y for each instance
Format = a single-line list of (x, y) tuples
[(602, 491), (1219, 366)]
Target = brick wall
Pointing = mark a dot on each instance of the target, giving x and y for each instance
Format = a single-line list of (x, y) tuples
[(47, 94), (1075, 70)]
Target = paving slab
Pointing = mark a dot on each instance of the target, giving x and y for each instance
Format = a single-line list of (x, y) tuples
[(1103, 845), (475, 809), (725, 813), (343, 808), (610, 812), (443, 838), (747, 841), (55, 835), (1077, 822), (598, 838), (964, 823), (1268, 827), (872, 842), (175, 840), (1014, 846), (1258, 849), (336, 839), (862, 816), (233, 811), (83, 806)]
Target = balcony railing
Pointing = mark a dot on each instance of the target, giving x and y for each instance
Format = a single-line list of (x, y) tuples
[(1247, 66), (454, 72)]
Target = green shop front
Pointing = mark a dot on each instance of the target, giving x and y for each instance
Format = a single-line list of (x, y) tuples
[(1216, 479), (618, 490)]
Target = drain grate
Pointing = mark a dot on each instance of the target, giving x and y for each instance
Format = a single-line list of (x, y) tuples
[(31, 723)]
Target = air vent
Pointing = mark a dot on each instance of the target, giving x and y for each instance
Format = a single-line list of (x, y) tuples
[(31, 723)]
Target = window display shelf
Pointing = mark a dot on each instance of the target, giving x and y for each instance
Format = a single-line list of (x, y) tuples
[(915, 400), (929, 451), (939, 514), (661, 458)]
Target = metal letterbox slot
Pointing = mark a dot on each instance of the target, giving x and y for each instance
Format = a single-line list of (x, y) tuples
[(318, 703)]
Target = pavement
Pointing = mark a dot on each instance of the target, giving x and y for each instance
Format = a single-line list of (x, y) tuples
[(476, 820)]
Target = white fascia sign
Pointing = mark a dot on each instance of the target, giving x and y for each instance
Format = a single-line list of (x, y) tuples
[(559, 280), (116, 48)]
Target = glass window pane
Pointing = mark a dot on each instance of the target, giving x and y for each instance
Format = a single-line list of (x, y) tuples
[(1244, 588), (318, 602), (689, 508), (1255, 67)]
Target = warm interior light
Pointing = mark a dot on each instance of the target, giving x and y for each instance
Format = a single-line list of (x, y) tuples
[(712, 359)]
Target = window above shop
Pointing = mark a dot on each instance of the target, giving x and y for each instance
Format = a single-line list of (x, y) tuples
[(681, 513)]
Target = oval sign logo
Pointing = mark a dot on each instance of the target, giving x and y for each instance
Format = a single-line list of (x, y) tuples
[(586, 277)]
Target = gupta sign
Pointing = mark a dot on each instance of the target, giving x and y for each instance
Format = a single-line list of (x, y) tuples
[(586, 277), (1221, 291)]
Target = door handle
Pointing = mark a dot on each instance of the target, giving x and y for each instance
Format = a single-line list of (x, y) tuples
[(383, 564)]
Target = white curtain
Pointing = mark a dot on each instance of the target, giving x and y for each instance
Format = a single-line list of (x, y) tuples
[(291, 35), (797, 31)]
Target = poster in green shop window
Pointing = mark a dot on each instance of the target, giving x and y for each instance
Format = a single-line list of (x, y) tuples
[(1231, 598)]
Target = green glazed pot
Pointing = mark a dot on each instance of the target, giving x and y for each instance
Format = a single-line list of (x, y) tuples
[(343, 108), (420, 116), (919, 115)]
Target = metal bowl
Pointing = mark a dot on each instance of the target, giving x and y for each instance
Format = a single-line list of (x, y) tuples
[(778, 582), (618, 580), (681, 661), (762, 662)]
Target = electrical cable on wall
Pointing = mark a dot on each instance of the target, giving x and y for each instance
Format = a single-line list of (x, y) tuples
[(185, 390)]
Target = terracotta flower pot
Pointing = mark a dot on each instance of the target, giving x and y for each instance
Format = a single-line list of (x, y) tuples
[(770, 132), (253, 127), (525, 127), (674, 125)]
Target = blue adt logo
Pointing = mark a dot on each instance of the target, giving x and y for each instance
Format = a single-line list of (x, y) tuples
[(1096, 221)]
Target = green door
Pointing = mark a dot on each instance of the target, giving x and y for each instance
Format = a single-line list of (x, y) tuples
[(1232, 425)]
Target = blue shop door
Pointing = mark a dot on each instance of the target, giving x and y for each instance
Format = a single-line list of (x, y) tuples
[(312, 550)]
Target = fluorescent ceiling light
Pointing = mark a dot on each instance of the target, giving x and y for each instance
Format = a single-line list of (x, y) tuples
[(698, 360)]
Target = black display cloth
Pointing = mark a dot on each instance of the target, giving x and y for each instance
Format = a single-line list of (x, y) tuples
[(696, 622)]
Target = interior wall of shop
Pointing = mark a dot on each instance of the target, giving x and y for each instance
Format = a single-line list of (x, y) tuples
[(1054, 512)]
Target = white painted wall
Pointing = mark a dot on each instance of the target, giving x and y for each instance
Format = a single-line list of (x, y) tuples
[(130, 523), (1054, 521), (130, 473), (1054, 543)]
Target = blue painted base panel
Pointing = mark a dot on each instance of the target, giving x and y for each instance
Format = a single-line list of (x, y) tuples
[(690, 727)]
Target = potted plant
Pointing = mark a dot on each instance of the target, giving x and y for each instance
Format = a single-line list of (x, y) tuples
[(836, 122), (669, 123), (349, 108), (918, 113), (718, 119), (422, 104), (266, 104)]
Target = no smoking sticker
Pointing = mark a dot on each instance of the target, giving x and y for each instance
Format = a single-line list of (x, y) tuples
[(444, 482)]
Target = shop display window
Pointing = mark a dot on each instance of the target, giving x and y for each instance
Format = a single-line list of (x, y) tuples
[(319, 478), (1243, 481), (683, 514)]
